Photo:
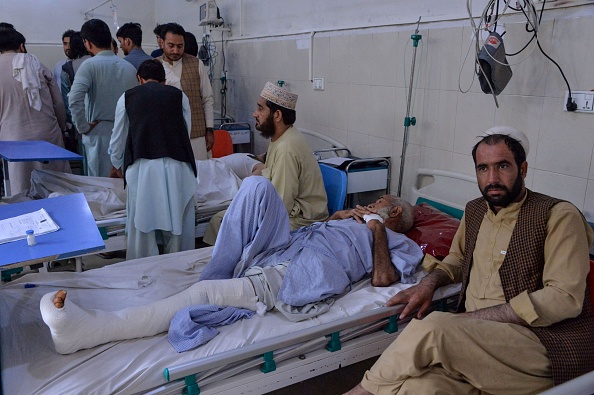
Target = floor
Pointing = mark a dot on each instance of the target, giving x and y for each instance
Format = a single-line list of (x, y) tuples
[(333, 383)]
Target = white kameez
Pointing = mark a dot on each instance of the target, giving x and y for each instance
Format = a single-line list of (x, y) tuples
[(160, 207), (20, 122)]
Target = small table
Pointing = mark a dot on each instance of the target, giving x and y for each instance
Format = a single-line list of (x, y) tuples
[(78, 233), (30, 151)]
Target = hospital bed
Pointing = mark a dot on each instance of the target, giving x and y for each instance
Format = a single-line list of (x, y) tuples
[(254, 355), (217, 181)]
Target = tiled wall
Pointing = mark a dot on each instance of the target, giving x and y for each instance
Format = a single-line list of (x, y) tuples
[(364, 101)]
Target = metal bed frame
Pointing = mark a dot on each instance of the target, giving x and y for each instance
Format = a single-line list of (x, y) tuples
[(294, 357)]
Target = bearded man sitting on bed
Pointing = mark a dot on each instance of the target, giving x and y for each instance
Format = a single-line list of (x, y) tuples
[(258, 264)]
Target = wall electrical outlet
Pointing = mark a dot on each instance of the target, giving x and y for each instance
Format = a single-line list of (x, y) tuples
[(318, 84), (583, 99)]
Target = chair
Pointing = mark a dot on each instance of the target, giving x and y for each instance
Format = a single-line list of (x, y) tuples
[(335, 183), (223, 145)]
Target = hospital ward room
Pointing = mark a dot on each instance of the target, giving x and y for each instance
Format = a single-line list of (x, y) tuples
[(228, 197)]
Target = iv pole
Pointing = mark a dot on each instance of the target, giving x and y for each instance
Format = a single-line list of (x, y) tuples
[(416, 37)]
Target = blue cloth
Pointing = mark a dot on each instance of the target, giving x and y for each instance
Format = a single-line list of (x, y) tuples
[(255, 225), (194, 325), (326, 258)]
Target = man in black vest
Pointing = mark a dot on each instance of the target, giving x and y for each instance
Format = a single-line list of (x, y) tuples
[(150, 147), (525, 321)]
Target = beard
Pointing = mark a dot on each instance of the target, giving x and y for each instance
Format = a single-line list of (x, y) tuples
[(506, 195), (266, 128), (384, 212), (173, 57)]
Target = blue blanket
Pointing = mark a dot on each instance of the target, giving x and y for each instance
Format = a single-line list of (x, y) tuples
[(194, 325)]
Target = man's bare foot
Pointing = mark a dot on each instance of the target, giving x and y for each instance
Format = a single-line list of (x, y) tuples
[(59, 298), (358, 390), (383, 277)]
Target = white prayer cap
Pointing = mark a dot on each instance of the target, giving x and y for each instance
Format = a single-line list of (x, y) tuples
[(511, 132), (279, 96)]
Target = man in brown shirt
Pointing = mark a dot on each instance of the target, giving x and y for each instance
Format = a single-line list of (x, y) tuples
[(523, 260), (187, 73)]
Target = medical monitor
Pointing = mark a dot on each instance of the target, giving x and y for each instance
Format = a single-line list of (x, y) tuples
[(209, 14)]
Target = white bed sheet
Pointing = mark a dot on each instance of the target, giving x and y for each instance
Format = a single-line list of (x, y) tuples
[(31, 366), (218, 180)]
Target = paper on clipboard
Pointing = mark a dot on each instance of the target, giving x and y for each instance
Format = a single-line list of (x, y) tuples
[(16, 228)]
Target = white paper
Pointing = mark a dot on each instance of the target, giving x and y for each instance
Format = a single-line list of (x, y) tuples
[(16, 228), (336, 161)]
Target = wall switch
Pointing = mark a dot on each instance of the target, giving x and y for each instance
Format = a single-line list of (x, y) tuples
[(318, 84), (583, 99)]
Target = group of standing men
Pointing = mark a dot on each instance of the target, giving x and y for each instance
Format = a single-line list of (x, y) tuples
[(94, 86), (94, 90), (102, 80)]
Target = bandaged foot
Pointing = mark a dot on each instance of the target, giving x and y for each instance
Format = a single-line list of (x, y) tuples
[(59, 299), (73, 328)]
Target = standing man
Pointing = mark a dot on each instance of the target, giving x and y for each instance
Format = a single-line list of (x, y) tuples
[(98, 84), (290, 163), (66, 48), (130, 38), (525, 320), (78, 54), (151, 146), (157, 53), (187, 73), (31, 107)]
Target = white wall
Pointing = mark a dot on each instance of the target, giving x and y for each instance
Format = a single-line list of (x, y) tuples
[(364, 103), (42, 22)]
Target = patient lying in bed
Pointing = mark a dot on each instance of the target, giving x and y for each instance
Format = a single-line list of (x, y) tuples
[(256, 262)]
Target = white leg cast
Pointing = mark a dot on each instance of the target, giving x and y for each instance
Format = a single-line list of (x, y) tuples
[(74, 328)]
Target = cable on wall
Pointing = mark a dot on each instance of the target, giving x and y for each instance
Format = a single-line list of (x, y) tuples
[(533, 20)]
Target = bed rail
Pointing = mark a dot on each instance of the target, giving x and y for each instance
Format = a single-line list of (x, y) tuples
[(258, 349), (444, 187), (304, 340), (332, 143)]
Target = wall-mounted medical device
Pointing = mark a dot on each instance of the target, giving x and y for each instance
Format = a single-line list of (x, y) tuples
[(209, 14)]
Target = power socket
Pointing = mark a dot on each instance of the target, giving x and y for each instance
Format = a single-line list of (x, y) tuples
[(318, 84), (583, 99)]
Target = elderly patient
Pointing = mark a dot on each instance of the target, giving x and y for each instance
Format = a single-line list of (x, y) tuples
[(258, 260)]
